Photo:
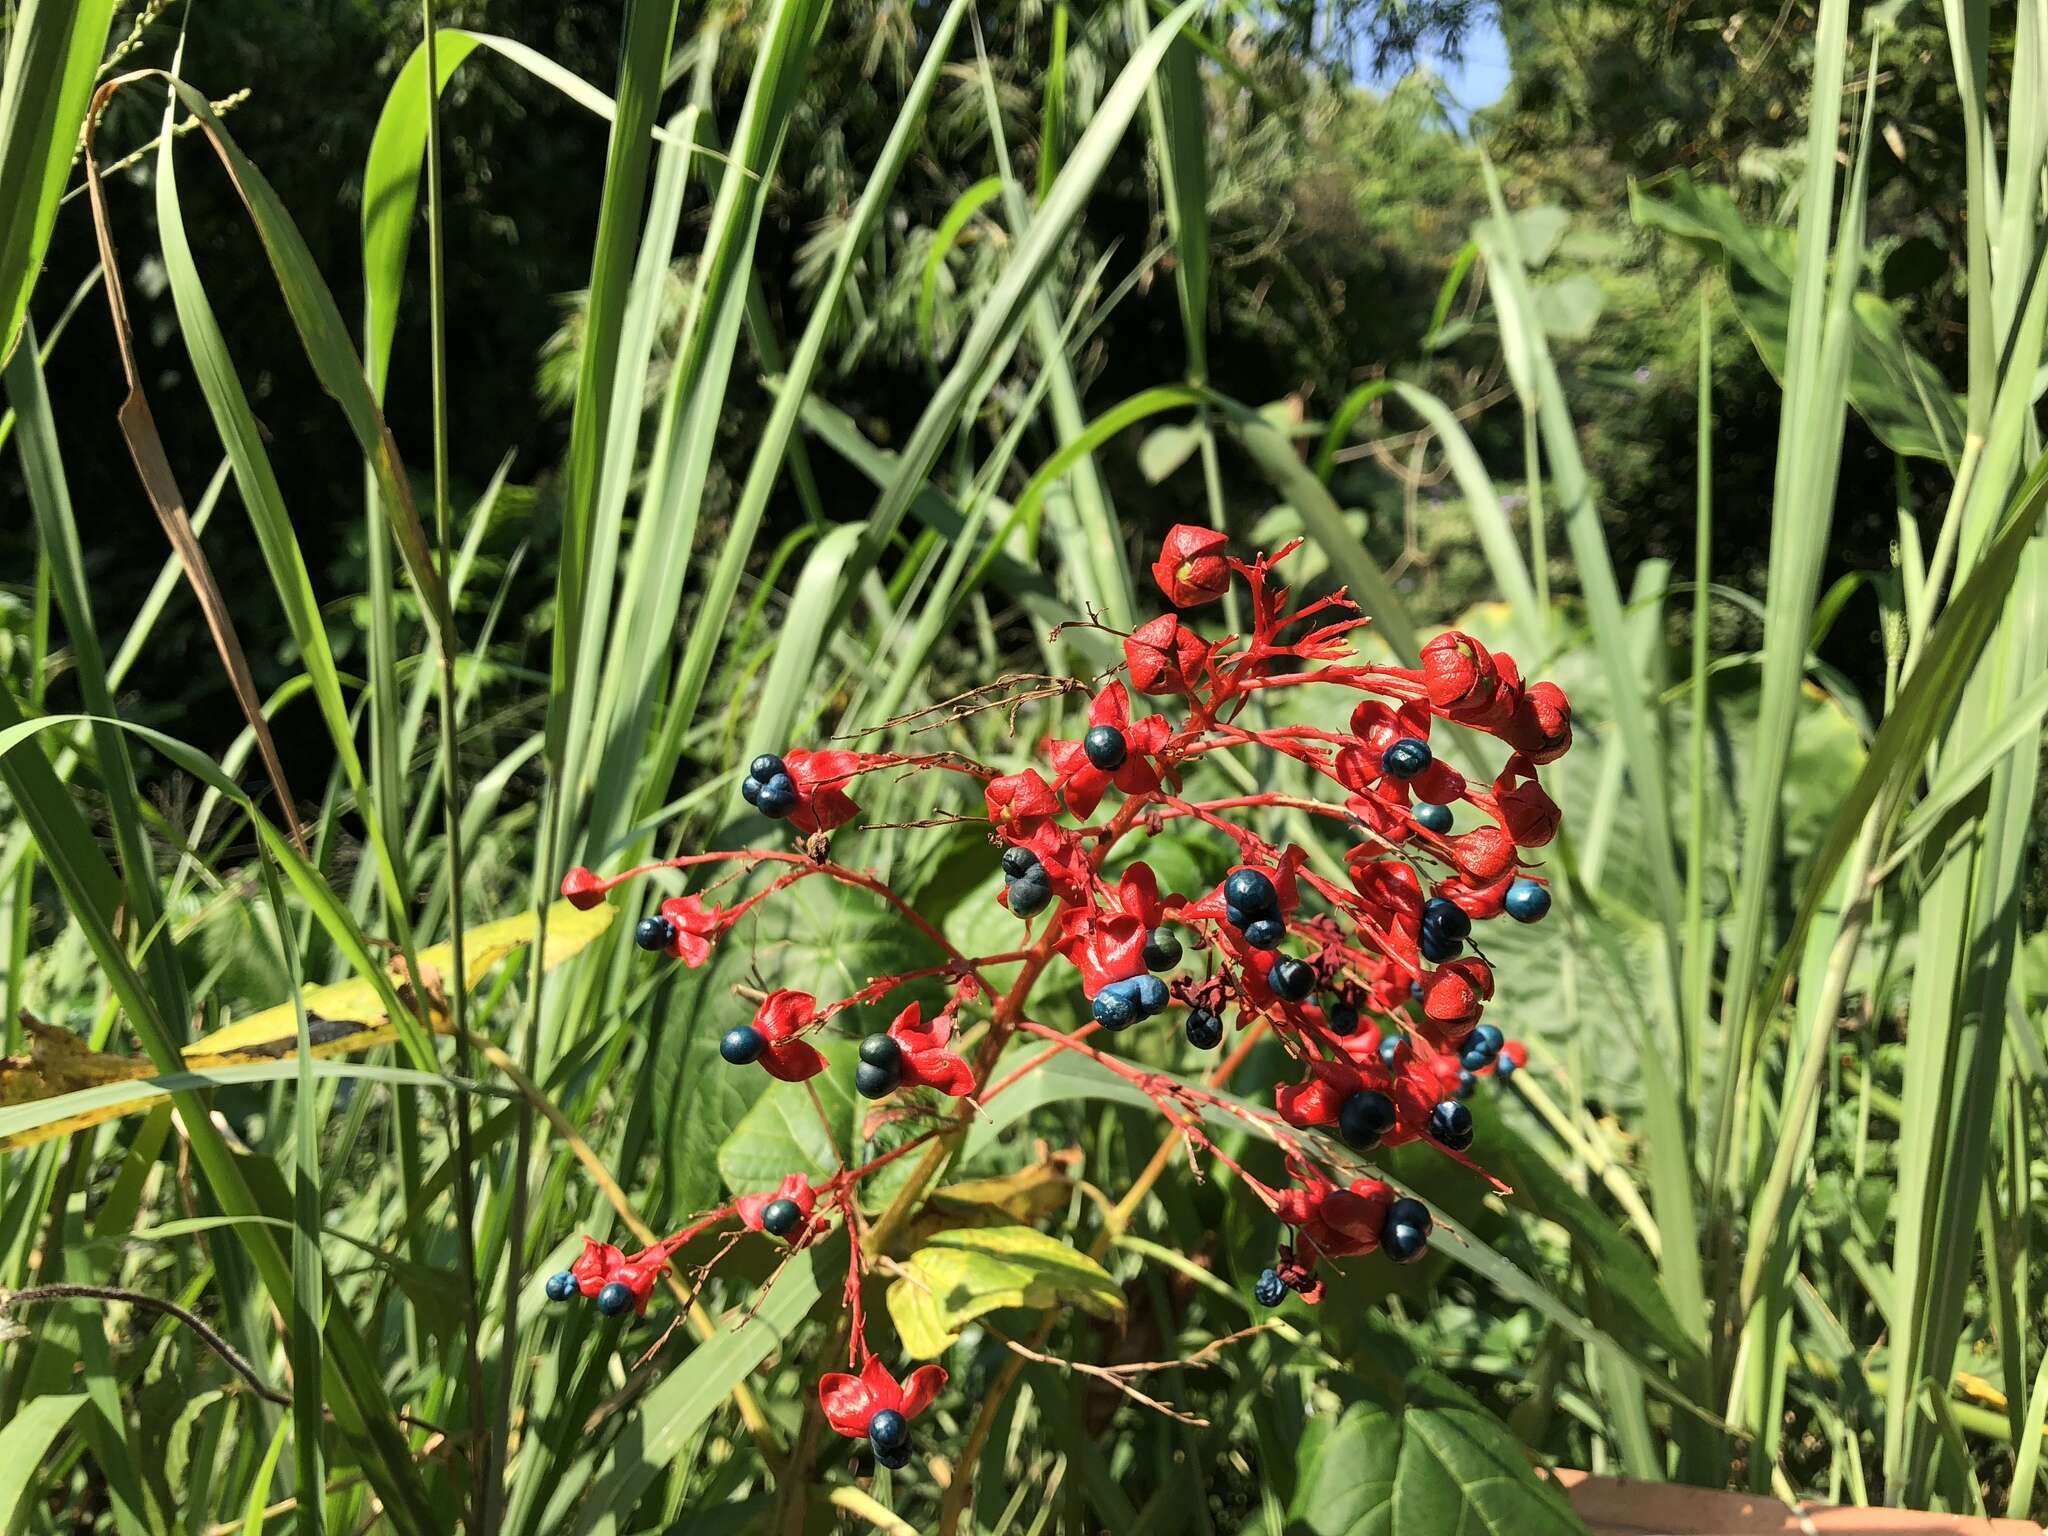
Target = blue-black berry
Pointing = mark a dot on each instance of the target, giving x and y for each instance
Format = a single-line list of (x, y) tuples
[(1479, 1048), (742, 1043), (1364, 1118), (1393, 1049), (1505, 1068), (1451, 1124), (1204, 1030), (889, 1431), (1030, 893), (1019, 862), (1265, 932), (654, 934), (1405, 1232), (1436, 948), (1526, 901), (1106, 747), (615, 1299), (1342, 1018), (1433, 818), (1467, 1082), (1115, 1008), (1271, 1290), (1251, 892), (777, 798), (1150, 992), (1291, 979), (562, 1286), (1162, 950), (873, 1082), (1447, 918), (1406, 758), (881, 1051), (766, 767), (895, 1461), (779, 1218)]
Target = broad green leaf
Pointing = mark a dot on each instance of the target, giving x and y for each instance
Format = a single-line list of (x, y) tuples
[(1438, 1463), (961, 1274), (1570, 307), (1898, 392), (784, 1133)]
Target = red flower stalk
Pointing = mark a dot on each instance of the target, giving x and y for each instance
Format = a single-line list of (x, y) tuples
[(1291, 952)]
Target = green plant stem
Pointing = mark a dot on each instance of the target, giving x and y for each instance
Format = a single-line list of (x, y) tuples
[(489, 1430)]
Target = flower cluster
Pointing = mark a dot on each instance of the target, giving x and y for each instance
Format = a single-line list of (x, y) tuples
[(1360, 960)]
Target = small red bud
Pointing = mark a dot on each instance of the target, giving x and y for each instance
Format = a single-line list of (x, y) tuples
[(582, 889)]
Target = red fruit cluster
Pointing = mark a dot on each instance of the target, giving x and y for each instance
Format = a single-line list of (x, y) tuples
[(1371, 981)]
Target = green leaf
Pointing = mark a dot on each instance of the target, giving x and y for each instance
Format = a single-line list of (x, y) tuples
[(53, 51), (1438, 1463), (1897, 391), (1570, 307), (783, 1133), (25, 1441), (965, 1273)]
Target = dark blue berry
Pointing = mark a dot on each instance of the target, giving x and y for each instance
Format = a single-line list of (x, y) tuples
[(562, 1286), (1030, 894), (1436, 949), (1479, 1048), (1447, 918), (654, 934), (767, 766), (881, 1051), (1019, 862), (1406, 758), (750, 790), (1433, 818), (1451, 1124), (1162, 950), (1405, 1232), (1150, 992), (1364, 1118), (1204, 1030), (1235, 915), (1505, 1068), (1467, 1081), (779, 1218), (895, 1461), (1291, 979), (1106, 748), (778, 797), (1271, 1289), (1115, 1008), (1265, 932), (889, 1431), (1251, 892), (875, 1082), (615, 1299), (1392, 1050), (742, 1043), (1526, 901), (1415, 990)]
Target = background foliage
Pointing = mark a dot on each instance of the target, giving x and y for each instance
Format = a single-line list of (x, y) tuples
[(1712, 348)]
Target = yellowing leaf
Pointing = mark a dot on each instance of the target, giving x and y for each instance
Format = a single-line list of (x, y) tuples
[(962, 1274), (342, 1018)]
